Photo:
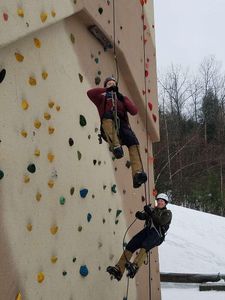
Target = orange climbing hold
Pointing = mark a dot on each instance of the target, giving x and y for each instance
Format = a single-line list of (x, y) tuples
[(53, 13), (54, 259), (54, 229), (37, 124), (37, 152), (26, 178), (38, 196), (58, 107), (19, 57), (18, 296), (51, 130), (23, 133), (51, 156), (32, 81), (40, 277), (47, 116), (43, 17), (24, 104), (29, 227), (20, 12), (51, 104), (44, 75), (51, 183), (37, 43)]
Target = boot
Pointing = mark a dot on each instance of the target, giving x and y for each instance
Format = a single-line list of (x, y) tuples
[(133, 268), (118, 270), (139, 176), (112, 138)]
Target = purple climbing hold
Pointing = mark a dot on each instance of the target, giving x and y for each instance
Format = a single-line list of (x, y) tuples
[(84, 270), (83, 193)]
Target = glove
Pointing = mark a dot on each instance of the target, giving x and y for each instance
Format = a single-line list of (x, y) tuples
[(140, 215), (148, 209), (120, 96), (112, 88)]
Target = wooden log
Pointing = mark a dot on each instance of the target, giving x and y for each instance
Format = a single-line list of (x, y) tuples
[(190, 278)]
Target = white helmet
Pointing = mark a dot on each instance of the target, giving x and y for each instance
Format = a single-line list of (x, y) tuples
[(164, 197)]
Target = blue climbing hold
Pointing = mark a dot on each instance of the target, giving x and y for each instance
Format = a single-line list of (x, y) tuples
[(83, 271), (89, 217), (83, 193)]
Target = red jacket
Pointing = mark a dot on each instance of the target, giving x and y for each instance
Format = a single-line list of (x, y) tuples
[(98, 97)]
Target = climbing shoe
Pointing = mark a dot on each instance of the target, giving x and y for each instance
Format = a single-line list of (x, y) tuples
[(118, 152), (115, 272), (132, 269), (139, 178)]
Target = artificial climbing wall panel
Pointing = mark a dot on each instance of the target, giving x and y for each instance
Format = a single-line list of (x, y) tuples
[(65, 202)]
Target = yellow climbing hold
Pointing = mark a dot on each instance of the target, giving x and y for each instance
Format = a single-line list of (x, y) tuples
[(37, 43), (58, 107), (51, 104), (51, 157), (40, 277), (51, 130), (38, 196), (29, 227), (53, 13), (37, 152), (32, 81), (20, 12), (51, 183), (44, 75), (24, 104), (54, 229), (19, 57), (47, 116), (23, 133), (37, 124), (26, 178), (18, 296), (54, 259), (43, 17)]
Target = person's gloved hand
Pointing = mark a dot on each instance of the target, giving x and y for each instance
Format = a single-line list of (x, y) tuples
[(112, 88), (148, 209), (119, 96), (140, 215)]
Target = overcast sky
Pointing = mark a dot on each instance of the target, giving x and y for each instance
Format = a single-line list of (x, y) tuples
[(189, 30)]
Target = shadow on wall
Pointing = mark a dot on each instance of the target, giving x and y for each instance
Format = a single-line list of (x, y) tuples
[(9, 277)]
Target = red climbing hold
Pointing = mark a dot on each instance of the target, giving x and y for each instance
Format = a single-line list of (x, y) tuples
[(146, 73), (150, 105), (154, 117), (5, 16)]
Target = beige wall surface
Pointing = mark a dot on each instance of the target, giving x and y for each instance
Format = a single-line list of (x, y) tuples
[(47, 158)]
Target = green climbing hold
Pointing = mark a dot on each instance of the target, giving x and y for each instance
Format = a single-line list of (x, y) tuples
[(116, 222), (74, 259), (64, 273), (79, 155), (72, 38), (96, 60), (94, 161), (80, 228), (104, 187), (83, 121), (62, 200), (113, 188), (97, 80), (1, 174), (103, 221), (99, 72), (80, 77), (31, 168), (118, 212), (109, 210)]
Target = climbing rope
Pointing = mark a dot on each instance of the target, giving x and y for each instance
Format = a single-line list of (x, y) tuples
[(114, 43)]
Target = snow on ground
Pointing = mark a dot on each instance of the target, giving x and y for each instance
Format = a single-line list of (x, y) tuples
[(195, 244)]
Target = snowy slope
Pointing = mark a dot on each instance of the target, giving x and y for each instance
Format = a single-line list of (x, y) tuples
[(195, 244)]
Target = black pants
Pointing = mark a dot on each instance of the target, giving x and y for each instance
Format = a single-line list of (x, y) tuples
[(126, 135), (146, 238)]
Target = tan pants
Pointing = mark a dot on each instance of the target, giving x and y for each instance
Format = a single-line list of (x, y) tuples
[(135, 159), (110, 132), (125, 257)]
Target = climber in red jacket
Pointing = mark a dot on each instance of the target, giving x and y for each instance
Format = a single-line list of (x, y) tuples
[(115, 128)]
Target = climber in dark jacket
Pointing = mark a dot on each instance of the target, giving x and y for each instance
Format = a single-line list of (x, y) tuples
[(115, 128), (157, 223)]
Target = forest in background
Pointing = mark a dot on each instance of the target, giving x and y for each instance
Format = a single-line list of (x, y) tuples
[(189, 160)]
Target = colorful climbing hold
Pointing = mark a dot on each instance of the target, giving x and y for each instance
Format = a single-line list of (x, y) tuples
[(150, 105), (54, 229), (58, 107), (37, 43), (103, 220), (80, 228), (43, 17), (97, 60), (128, 164), (26, 178), (72, 38), (47, 116), (62, 200), (18, 296), (40, 277), (89, 217), (84, 270), (72, 191), (154, 117), (19, 57), (64, 273), (38, 196), (20, 12), (109, 210), (29, 227), (83, 121), (83, 193), (71, 142), (24, 104), (116, 222), (44, 75), (37, 124), (51, 157), (113, 188), (54, 259), (1, 174), (51, 130), (94, 161), (118, 212), (74, 259), (53, 13), (37, 152), (51, 183), (32, 81), (5, 16), (31, 168), (2, 75), (100, 10), (51, 104), (23, 133)]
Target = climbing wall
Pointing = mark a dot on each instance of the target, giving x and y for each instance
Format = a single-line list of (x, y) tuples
[(65, 202)]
